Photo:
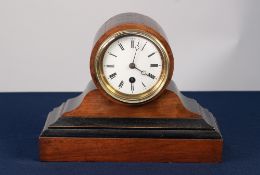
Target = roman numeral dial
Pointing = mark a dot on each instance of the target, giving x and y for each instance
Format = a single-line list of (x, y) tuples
[(112, 76), (132, 65), (121, 84), (121, 46)]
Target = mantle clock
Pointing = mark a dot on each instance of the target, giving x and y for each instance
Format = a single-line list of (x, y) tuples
[(131, 110)]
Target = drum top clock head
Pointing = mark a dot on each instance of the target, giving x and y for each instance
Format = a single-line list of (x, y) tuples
[(131, 61)]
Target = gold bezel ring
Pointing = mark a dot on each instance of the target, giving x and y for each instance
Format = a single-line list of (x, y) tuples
[(131, 98)]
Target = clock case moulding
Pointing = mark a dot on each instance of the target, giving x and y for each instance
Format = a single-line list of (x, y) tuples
[(172, 128), (94, 127)]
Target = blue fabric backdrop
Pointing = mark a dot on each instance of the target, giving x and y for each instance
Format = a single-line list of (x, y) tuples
[(23, 115)]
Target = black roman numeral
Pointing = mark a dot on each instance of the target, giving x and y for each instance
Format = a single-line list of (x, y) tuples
[(113, 75), (151, 54), (112, 54), (121, 84), (110, 65), (121, 46), (153, 65), (151, 75), (132, 87), (132, 43), (143, 85), (143, 46)]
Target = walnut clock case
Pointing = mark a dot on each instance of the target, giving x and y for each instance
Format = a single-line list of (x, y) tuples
[(131, 111)]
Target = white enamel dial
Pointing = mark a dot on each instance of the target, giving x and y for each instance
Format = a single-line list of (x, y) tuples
[(132, 64)]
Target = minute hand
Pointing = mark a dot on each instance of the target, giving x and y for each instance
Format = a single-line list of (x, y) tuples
[(136, 48)]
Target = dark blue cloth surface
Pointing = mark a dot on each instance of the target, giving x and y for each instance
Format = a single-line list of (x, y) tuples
[(23, 116)]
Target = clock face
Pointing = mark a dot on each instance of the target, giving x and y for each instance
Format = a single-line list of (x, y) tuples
[(132, 65)]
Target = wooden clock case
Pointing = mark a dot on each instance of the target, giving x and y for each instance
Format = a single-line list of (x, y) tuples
[(95, 127)]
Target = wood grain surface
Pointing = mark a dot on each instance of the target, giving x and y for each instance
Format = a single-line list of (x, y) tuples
[(130, 150), (95, 105)]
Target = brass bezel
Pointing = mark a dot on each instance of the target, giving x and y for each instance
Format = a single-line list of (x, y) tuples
[(131, 98)]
